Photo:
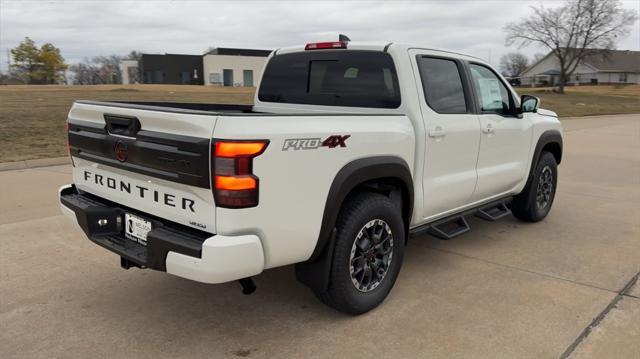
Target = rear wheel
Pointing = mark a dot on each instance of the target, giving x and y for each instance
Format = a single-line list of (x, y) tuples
[(534, 203), (368, 254)]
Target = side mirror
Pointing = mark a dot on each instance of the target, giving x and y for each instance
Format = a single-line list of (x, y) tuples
[(529, 103)]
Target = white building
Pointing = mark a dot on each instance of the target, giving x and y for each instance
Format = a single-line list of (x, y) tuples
[(234, 67), (603, 67), (129, 71)]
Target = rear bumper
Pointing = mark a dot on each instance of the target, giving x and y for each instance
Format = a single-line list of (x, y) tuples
[(171, 247)]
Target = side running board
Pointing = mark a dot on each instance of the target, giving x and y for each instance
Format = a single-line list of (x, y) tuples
[(449, 228), (493, 212), (455, 225)]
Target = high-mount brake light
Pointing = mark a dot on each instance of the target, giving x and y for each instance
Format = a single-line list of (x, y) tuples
[(234, 184), (326, 45)]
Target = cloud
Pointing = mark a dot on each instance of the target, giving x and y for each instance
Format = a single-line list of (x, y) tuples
[(90, 28)]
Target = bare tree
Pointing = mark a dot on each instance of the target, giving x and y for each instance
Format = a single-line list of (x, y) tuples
[(513, 64), (108, 69), (573, 30), (134, 55), (98, 70), (84, 73)]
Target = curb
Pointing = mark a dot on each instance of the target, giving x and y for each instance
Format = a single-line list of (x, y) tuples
[(28, 164)]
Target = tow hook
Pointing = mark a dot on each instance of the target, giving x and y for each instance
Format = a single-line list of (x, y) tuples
[(248, 286)]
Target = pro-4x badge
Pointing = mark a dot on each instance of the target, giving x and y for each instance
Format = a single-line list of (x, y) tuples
[(315, 143), (335, 141)]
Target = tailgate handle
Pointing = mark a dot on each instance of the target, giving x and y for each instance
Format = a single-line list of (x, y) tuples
[(122, 125)]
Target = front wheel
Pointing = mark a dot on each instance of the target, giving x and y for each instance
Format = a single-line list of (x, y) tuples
[(368, 253), (534, 203)]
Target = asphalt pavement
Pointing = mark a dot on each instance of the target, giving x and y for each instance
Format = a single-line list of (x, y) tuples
[(561, 287)]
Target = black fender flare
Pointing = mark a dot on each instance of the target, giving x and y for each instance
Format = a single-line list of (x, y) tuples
[(314, 272), (353, 174), (546, 138)]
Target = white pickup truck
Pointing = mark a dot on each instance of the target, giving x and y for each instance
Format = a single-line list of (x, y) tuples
[(349, 150)]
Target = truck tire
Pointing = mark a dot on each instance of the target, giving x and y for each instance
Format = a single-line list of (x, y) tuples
[(368, 252), (534, 202)]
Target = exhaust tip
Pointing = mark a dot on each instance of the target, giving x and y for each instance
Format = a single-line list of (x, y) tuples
[(248, 286)]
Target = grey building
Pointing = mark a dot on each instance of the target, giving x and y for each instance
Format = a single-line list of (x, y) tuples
[(171, 69)]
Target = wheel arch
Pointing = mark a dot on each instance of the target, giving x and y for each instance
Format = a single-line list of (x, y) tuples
[(365, 173), (556, 150), (370, 173), (549, 141)]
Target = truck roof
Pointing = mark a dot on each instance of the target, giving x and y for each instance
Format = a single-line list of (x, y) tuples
[(379, 46)]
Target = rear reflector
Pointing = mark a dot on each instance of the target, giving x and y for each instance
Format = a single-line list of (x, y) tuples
[(326, 45), (234, 184)]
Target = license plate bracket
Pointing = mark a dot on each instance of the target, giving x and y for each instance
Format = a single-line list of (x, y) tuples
[(136, 228)]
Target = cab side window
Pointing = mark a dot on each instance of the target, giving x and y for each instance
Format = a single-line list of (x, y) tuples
[(442, 85), (492, 95)]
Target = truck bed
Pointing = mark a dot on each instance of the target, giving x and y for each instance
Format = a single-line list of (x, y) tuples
[(218, 109), (176, 107)]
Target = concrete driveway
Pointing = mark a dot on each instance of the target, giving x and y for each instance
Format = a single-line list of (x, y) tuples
[(562, 287)]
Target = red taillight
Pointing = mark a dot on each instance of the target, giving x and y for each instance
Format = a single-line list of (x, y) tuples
[(234, 184), (237, 149), (326, 45), (66, 130)]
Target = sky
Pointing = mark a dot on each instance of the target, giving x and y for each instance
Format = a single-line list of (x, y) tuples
[(86, 28)]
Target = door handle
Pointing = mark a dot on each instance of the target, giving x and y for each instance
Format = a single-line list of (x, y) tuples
[(489, 129), (437, 132), (122, 125)]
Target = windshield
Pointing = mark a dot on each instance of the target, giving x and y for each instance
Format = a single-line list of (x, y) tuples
[(332, 78)]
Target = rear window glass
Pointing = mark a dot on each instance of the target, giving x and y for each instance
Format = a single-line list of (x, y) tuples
[(332, 78)]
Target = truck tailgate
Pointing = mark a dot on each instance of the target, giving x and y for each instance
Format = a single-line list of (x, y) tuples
[(153, 161)]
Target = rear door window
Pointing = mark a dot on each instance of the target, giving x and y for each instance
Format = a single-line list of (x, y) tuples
[(442, 85), (332, 78)]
